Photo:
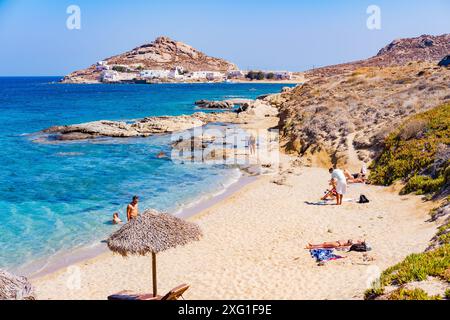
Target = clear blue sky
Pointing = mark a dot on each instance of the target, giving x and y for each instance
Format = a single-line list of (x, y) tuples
[(267, 34)]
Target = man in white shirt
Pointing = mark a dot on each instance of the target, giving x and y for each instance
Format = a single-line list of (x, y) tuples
[(341, 184)]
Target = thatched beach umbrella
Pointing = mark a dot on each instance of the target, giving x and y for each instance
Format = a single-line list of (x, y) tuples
[(152, 232), (15, 288)]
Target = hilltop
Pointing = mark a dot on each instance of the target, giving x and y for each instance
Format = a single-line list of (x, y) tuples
[(161, 54), (399, 52), (343, 114)]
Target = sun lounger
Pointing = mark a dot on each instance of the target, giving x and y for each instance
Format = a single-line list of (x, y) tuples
[(173, 294)]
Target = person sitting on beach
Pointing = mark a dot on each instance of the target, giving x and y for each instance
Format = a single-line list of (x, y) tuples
[(331, 193), (341, 184), (333, 245), (363, 173), (133, 209), (116, 219)]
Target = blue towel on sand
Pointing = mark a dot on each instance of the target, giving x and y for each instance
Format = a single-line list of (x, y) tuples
[(324, 255)]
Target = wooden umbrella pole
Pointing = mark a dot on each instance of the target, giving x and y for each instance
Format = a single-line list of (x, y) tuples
[(155, 288)]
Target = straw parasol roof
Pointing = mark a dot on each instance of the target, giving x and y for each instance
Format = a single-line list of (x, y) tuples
[(15, 288), (152, 232)]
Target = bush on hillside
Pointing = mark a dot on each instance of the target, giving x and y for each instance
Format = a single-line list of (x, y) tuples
[(417, 153), (119, 68)]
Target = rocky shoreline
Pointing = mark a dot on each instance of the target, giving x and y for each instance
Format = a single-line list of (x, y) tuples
[(148, 126)]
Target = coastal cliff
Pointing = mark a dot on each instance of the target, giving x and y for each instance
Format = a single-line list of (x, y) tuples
[(161, 54)]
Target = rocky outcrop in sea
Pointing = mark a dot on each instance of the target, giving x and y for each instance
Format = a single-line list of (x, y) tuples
[(154, 125)]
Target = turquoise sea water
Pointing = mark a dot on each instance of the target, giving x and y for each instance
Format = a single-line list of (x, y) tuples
[(57, 197)]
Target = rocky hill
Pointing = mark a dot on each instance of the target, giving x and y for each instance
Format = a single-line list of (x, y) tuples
[(342, 117), (398, 52), (162, 54)]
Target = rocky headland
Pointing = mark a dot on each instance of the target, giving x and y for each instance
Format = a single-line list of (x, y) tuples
[(161, 54)]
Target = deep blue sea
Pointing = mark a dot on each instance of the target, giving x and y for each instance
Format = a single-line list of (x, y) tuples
[(58, 197)]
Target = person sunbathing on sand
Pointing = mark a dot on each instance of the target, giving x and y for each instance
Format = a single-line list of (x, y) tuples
[(116, 219), (357, 177), (333, 245)]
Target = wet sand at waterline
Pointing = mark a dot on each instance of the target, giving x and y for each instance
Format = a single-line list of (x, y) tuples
[(253, 246)]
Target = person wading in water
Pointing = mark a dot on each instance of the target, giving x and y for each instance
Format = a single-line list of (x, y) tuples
[(133, 209)]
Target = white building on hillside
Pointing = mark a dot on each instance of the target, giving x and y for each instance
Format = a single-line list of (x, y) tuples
[(126, 76), (155, 74), (282, 75), (206, 75), (177, 73), (114, 76), (109, 76), (198, 75), (215, 75), (101, 65), (233, 74)]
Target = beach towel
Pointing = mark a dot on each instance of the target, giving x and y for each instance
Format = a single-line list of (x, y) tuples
[(322, 255), (319, 203)]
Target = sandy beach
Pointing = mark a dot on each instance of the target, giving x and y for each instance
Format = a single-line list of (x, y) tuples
[(177, 151), (254, 240), (253, 246)]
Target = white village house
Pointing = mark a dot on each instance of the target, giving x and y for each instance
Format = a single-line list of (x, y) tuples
[(109, 76), (114, 76), (208, 75), (155, 74), (101, 66), (215, 75), (282, 75), (176, 73), (233, 74)]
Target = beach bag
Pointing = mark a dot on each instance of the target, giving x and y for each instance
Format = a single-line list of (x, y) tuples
[(363, 199), (360, 247)]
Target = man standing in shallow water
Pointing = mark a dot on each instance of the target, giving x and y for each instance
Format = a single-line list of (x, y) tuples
[(133, 209)]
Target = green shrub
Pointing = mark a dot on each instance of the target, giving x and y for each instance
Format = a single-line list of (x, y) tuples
[(423, 184), (411, 149), (444, 234), (417, 267), (119, 68), (447, 294), (373, 293), (255, 75), (415, 294)]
